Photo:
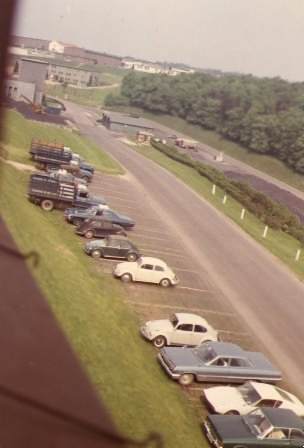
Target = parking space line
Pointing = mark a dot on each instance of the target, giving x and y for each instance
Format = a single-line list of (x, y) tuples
[(147, 237), (238, 333), (144, 229), (171, 254), (176, 307), (192, 289), (185, 270)]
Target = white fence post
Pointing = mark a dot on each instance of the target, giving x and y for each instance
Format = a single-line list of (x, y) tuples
[(298, 254), (224, 199), (243, 213), (213, 189), (265, 232)]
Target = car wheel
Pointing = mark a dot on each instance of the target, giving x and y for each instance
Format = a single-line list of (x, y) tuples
[(89, 234), (165, 283), (77, 222), (126, 278), (86, 178), (47, 205), (232, 412), (132, 257), (160, 341), (186, 379), (96, 253)]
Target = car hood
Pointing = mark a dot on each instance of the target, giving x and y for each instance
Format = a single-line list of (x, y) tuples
[(224, 398), (231, 427), (159, 325), (126, 266), (181, 357)]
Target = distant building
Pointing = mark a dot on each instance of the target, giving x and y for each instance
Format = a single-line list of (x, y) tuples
[(35, 72), (67, 73), (29, 42), (60, 47), (18, 90), (154, 68)]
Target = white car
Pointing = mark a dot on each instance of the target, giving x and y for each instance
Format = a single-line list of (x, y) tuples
[(249, 396), (146, 269), (180, 329)]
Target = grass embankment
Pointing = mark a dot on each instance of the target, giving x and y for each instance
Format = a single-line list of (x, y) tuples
[(268, 165), (100, 326), (86, 97), (18, 133), (278, 243)]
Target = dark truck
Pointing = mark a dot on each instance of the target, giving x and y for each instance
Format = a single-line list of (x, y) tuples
[(50, 192), (48, 155)]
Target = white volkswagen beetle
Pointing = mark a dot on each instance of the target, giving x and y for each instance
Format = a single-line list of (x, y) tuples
[(146, 269), (181, 329), (245, 398)]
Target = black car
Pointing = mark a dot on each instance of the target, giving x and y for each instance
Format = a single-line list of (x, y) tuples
[(76, 216), (99, 228), (263, 427), (112, 247)]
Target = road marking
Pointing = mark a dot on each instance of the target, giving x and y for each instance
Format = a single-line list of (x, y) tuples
[(162, 252), (185, 270), (144, 229), (192, 289), (184, 308), (147, 237), (239, 333)]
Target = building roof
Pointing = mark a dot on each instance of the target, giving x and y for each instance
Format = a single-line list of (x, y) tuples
[(35, 61)]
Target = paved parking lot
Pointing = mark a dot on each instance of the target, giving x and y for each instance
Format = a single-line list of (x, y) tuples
[(194, 294)]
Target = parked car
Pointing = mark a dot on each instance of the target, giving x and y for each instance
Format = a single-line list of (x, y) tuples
[(77, 216), (148, 270), (98, 228), (249, 396), (217, 362), (264, 427), (114, 247), (180, 329), (88, 201)]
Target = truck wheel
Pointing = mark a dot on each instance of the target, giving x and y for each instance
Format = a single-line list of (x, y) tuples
[(89, 234), (186, 379), (47, 205)]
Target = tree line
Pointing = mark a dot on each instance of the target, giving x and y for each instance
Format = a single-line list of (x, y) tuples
[(265, 115)]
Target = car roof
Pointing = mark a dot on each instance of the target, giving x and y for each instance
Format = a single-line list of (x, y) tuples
[(152, 260), (267, 391), (227, 349), (283, 418), (189, 318)]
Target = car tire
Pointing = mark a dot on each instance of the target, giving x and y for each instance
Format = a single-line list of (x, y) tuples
[(232, 412), (132, 257), (47, 205), (160, 341), (89, 234), (186, 379), (96, 253), (76, 221), (86, 178), (126, 278), (165, 283)]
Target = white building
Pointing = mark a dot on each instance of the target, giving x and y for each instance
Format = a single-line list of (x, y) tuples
[(150, 67), (59, 47)]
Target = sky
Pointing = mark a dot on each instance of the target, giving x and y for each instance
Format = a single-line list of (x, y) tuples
[(262, 37)]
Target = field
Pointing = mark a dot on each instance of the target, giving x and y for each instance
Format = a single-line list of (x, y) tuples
[(266, 164), (278, 243), (91, 96), (90, 307), (18, 133)]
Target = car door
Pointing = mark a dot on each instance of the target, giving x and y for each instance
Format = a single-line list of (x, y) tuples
[(144, 273), (112, 248), (98, 228), (159, 273), (200, 334), (124, 249), (216, 371), (182, 334)]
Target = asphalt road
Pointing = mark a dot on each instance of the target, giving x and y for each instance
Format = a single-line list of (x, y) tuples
[(266, 295)]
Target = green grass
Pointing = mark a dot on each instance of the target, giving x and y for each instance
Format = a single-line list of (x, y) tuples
[(86, 97), (266, 164), (100, 326), (18, 133), (278, 243)]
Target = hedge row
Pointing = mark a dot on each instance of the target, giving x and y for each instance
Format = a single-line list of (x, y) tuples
[(271, 213)]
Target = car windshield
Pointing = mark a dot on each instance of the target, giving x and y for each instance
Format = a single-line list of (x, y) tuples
[(249, 394), (258, 423), (174, 320), (205, 354)]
